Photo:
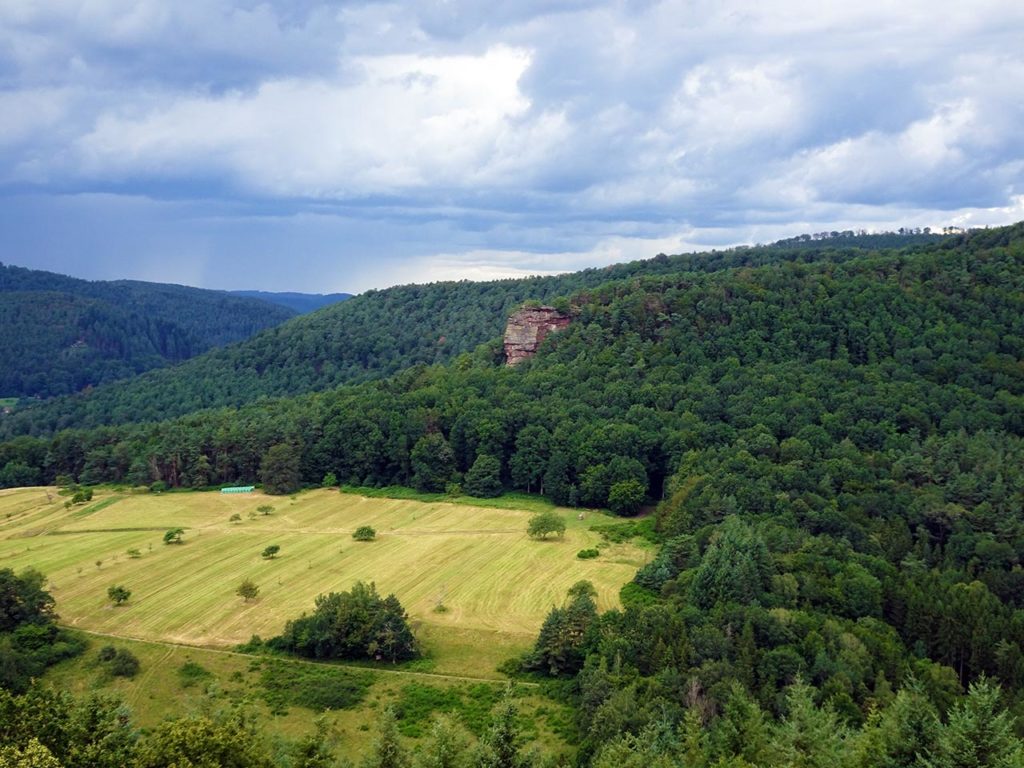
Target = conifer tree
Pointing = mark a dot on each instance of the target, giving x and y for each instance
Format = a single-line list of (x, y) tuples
[(387, 750), (446, 747), (979, 733), (808, 737), (502, 745)]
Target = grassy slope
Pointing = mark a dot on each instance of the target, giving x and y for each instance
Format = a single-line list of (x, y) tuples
[(497, 583), (159, 692)]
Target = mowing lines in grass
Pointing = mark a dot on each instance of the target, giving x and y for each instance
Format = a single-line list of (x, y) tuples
[(496, 579)]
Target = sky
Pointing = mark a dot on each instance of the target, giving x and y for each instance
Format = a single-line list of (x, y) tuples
[(300, 145)]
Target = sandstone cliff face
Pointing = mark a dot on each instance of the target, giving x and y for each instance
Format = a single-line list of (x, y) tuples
[(527, 328)]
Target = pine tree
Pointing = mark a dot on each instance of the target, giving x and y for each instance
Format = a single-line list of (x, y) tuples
[(735, 568), (903, 735), (741, 730), (808, 737), (446, 748), (387, 750), (501, 746), (979, 734), (312, 751)]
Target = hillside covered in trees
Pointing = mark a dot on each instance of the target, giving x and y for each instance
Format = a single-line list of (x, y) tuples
[(380, 333), (59, 335), (834, 449), (300, 302)]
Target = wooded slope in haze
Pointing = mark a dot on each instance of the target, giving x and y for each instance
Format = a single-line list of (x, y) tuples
[(59, 334)]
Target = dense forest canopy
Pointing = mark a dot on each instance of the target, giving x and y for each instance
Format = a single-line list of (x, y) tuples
[(380, 333), (59, 334)]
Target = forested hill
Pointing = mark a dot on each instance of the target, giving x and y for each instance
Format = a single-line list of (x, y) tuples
[(59, 334), (836, 451), (300, 302), (377, 334)]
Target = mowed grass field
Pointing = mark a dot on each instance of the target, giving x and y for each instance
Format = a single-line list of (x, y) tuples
[(496, 582)]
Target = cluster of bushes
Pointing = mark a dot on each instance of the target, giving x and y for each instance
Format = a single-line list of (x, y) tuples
[(119, 662), (358, 624)]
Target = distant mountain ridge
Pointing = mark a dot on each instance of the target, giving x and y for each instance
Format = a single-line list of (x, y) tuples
[(303, 303), (60, 334)]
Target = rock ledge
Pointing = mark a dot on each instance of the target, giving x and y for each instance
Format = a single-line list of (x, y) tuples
[(527, 328)]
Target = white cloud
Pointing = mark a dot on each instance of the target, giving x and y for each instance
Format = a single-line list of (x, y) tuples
[(24, 114), (407, 122)]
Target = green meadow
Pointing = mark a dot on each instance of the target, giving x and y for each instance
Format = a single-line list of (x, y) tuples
[(495, 584)]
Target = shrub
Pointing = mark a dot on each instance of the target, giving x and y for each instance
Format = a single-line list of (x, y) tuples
[(81, 497), (191, 673), (419, 703), (587, 554), (120, 661), (124, 664), (316, 687)]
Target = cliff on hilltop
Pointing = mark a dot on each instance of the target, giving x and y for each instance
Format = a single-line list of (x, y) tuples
[(527, 328)]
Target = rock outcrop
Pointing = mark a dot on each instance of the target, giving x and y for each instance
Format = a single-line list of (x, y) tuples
[(527, 328)]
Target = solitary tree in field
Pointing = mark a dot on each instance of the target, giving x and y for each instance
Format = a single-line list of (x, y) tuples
[(271, 552), (247, 590), (544, 523), (264, 509), (118, 594), (174, 535), (235, 518), (364, 533)]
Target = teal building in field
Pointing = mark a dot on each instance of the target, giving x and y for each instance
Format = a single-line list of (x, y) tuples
[(238, 489)]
